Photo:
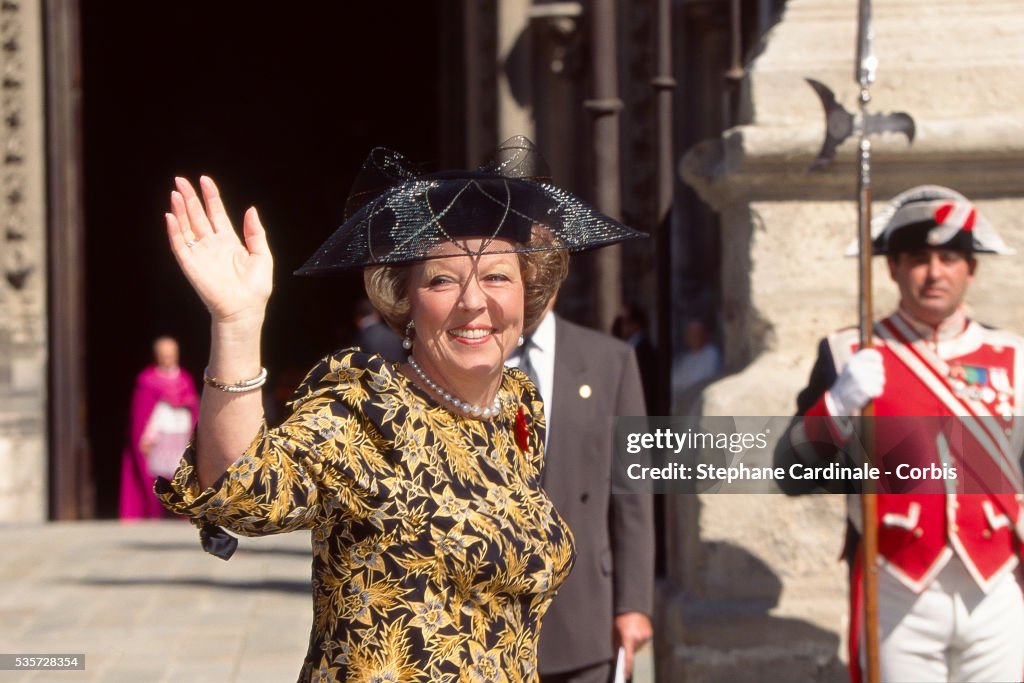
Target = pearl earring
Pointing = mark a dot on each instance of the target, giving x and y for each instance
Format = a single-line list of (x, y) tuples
[(407, 340), (521, 341)]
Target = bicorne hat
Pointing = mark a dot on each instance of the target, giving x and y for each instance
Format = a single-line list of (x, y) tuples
[(394, 214), (933, 216)]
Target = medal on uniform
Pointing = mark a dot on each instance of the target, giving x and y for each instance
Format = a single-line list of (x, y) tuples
[(1000, 380), (972, 382), (975, 375)]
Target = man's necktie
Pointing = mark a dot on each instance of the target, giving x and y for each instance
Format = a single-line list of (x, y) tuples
[(526, 366)]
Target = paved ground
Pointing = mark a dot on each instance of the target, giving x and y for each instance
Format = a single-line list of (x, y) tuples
[(145, 604)]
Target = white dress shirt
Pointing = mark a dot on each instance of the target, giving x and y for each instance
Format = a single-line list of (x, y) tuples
[(542, 356)]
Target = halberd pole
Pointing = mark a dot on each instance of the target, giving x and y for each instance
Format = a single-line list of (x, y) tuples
[(866, 64), (841, 124)]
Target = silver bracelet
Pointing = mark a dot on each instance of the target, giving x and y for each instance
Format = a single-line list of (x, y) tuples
[(239, 387)]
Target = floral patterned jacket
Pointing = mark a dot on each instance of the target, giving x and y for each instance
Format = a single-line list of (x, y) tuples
[(435, 550)]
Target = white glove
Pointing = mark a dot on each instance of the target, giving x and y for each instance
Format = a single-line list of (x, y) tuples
[(862, 379)]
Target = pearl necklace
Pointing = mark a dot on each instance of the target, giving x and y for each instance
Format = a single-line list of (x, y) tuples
[(462, 406)]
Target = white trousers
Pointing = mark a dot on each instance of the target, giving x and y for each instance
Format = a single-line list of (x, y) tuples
[(952, 632)]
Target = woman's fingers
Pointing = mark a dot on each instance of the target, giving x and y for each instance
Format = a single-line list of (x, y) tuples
[(181, 216), (198, 221), (232, 279), (182, 251), (175, 236), (255, 235), (214, 206), (182, 248)]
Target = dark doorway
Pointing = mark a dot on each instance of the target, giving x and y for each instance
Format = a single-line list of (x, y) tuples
[(280, 103)]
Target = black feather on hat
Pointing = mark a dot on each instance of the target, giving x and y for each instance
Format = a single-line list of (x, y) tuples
[(394, 214)]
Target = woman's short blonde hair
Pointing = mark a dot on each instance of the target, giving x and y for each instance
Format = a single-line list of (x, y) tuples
[(387, 286)]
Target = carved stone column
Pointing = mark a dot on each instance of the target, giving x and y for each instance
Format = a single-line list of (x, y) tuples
[(23, 324)]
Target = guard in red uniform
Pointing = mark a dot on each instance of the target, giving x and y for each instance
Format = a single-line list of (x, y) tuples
[(950, 520)]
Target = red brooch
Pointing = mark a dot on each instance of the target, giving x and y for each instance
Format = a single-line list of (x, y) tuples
[(522, 430)]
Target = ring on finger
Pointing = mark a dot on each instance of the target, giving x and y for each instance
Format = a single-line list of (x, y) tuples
[(191, 243)]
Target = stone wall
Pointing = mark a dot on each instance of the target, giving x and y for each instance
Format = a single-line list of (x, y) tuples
[(23, 345), (768, 562)]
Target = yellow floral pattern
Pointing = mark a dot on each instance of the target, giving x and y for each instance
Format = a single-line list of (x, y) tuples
[(435, 550)]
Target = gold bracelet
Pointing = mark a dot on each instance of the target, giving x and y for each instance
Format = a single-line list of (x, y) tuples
[(239, 387)]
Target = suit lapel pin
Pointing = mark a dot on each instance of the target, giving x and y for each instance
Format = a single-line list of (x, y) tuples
[(585, 391)]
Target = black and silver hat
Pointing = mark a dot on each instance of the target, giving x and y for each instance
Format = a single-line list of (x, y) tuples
[(394, 214)]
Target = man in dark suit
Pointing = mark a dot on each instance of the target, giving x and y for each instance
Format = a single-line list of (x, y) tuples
[(587, 378)]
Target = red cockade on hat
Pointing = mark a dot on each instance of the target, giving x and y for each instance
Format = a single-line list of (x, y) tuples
[(957, 214), (950, 218), (522, 430)]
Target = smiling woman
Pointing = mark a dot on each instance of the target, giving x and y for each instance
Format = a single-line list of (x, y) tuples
[(467, 317), (436, 551), (472, 310)]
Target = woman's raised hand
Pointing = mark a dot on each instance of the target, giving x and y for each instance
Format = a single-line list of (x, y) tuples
[(234, 279)]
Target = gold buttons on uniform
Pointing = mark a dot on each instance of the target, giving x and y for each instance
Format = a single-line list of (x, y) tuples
[(986, 534), (918, 532)]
